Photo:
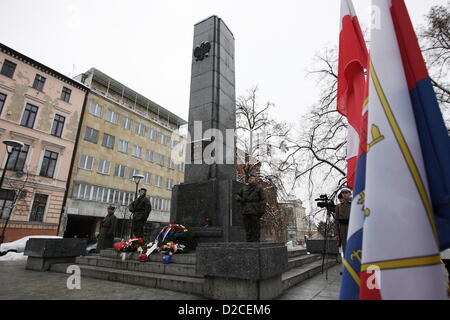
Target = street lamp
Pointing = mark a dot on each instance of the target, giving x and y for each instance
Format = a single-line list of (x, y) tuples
[(10, 146), (136, 178)]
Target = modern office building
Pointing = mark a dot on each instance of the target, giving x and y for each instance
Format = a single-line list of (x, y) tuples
[(123, 134), (40, 108)]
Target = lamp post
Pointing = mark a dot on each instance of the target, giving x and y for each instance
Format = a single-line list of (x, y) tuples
[(10, 146), (136, 178)]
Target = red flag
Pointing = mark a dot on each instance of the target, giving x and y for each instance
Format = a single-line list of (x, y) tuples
[(353, 58)]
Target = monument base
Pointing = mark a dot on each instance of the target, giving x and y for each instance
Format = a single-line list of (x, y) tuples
[(42, 253), (214, 199), (242, 270)]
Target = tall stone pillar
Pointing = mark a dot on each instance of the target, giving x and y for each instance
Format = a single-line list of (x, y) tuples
[(210, 175)]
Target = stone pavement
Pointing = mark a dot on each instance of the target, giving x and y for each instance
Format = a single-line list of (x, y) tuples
[(317, 288), (18, 283)]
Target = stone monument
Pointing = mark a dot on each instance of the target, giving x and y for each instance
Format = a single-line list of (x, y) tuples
[(210, 174)]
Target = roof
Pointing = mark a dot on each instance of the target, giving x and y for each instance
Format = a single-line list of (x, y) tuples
[(116, 86), (35, 64)]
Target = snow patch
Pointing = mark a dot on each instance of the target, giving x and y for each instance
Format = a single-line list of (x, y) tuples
[(14, 256)]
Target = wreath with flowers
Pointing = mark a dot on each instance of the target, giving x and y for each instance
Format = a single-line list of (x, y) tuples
[(173, 238)]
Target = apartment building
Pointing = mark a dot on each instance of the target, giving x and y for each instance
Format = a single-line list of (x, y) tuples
[(40, 108), (123, 134)]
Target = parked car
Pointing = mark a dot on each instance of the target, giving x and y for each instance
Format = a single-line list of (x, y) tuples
[(92, 248), (19, 245)]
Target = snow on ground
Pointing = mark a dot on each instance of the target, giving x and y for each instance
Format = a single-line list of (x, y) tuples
[(13, 256), (292, 247)]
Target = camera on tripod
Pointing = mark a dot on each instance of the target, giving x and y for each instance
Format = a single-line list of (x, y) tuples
[(324, 202)]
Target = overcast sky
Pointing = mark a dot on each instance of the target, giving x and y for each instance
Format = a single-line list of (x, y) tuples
[(147, 44)]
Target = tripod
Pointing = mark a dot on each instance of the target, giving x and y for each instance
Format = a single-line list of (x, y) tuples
[(325, 244)]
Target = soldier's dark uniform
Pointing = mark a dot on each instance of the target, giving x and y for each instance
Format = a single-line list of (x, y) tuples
[(140, 208), (107, 230), (341, 222), (253, 201)]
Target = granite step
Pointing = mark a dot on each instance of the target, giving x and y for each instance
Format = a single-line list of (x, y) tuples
[(135, 265), (299, 261), (296, 253), (297, 275), (153, 280), (183, 258)]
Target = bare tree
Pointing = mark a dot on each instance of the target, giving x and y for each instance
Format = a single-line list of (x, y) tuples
[(21, 183), (275, 219), (435, 42), (125, 216), (261, 143), (258, 135), (317, 154)]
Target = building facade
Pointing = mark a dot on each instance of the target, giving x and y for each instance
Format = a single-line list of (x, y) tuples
[(297, 222), (122, 134), (41, 108)]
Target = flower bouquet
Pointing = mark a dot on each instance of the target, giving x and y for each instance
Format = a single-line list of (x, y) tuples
[(131, 245), (169, 249), (171, 239)]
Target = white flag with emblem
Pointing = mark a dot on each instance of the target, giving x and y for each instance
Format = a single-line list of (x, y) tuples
[(400, 238)]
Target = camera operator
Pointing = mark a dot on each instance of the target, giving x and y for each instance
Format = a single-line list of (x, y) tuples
[(342, 216)]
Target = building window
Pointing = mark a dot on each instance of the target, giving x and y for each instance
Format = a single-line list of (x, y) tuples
[(96, 110), (112, 116), (171, 164), (39, 82), (91, 135), (58, 125), (5, 208), (103, 166), (162, 138), (49, 164), (159, 181), (86, 162), (126, 123), (133, 172), (8, 68), (6, 203), (65, 94), (181, 167), (160, 159), (119, 171), (85, 192), (169, 184), (149, 155), (140, 129), (137, 151), (152, 134), (123, 146), (38, 209), (16, 161), (147, 178), (2, 101), (29, 116), (108, 141)]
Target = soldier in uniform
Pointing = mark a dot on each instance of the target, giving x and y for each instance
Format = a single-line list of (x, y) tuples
[(253, 202), (107, 230), (342, 216), (140, 208)]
